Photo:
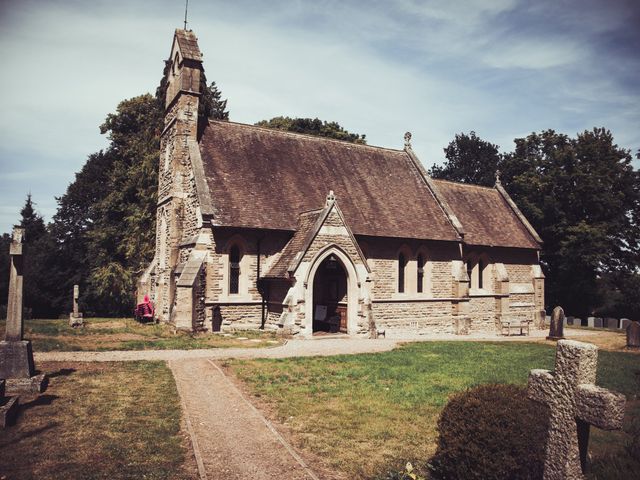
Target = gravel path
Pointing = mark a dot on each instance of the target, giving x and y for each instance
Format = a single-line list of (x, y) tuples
[(231, 439), (293, 348)]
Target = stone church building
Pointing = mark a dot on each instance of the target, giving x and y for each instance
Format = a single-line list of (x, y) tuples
[(265, 228)]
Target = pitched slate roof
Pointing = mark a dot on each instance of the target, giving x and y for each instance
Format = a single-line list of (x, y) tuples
[(264, 178), (188, 43), (306, 227), (486, 216)]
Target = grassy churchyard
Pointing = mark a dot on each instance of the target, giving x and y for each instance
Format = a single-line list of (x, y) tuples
[(100, 334), (99, 421), (368, 414), (362, 416)]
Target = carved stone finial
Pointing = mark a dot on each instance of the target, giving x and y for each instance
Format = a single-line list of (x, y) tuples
[(407, 139), (331, 198), (498, 178)]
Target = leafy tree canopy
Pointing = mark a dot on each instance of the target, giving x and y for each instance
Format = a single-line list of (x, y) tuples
[(313, 126), (469, 160), (582, 195)]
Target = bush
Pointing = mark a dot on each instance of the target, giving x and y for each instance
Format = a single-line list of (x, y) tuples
[(491, 432)]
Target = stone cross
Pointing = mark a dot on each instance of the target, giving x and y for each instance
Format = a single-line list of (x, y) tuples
[(14, 328), (633, 335), (16, 355), (76, 296), (575, 403), (557, 324)]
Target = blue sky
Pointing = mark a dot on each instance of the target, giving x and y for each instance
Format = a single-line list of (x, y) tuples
[(503, 68)]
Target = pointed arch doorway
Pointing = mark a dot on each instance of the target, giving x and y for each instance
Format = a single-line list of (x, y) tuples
[(330, 297)]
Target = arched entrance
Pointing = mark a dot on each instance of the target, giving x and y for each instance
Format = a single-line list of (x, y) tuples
[(330, 296)]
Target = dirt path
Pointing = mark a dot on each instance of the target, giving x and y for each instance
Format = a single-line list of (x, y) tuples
[(231, 439)]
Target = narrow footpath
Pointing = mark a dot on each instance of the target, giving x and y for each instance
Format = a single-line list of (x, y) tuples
[(231, 439)]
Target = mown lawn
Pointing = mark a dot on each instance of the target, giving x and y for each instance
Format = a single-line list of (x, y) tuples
[(127, 334), (366, 415), (99, 421)]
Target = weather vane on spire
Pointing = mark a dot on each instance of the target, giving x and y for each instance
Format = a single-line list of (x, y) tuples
[(186, 7)]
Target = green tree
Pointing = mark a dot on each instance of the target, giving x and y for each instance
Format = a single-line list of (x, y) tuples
[(313, 126), (211, 103), (469, 160), (122, 235), (37, 262), (583, 197)]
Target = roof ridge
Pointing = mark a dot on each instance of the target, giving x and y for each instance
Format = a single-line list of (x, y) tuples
[(463, 184), (307, 135)]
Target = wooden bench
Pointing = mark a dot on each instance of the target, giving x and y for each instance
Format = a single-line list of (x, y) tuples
[(515, 324)]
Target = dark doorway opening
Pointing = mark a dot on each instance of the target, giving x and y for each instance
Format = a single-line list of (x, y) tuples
[(330, 297)]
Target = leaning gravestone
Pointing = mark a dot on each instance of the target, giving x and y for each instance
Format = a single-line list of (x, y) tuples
[(575, 403), (633, 335), (556, 330), (16, 355), (75, 318)]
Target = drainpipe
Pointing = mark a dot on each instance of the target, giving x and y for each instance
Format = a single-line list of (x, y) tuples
[(260, 284)]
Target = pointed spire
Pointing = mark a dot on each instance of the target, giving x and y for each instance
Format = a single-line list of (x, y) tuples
[(407, 140), (331, 198)]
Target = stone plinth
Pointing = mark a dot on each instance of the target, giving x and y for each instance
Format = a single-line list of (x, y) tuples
[(16, 366), (75, 320), (8, 407)]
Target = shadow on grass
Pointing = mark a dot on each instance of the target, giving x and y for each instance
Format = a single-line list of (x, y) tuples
[(63, 372), (31, 433), (41, 400)]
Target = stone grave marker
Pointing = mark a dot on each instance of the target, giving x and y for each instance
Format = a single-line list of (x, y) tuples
[(16, 355), (610, 322), (577, 322), (624, 322), (556, 329), (75, 317), (591, 322), (575, 403), (569, 320), (633, 335), (598, 323)]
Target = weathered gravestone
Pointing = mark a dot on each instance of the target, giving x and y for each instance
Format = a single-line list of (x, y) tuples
[(633, 335), (577, 322), (591, 322), (610, 322), (624, 323), (575, 403), (8, 408), (75, 317), (556, 330), (569, 320), (598, 322), (16, 355)]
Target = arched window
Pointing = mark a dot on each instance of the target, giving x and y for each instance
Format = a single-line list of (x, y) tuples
[(402, 263), (234, 270), (420, 273)]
